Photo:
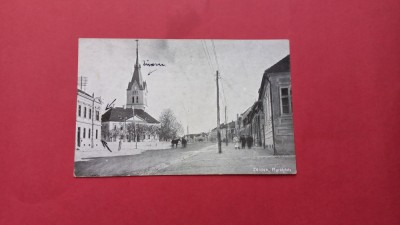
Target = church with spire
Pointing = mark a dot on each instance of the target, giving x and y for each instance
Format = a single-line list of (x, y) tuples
[(117, 118)]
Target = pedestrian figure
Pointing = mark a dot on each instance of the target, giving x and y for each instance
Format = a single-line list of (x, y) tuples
[(248, 140), (184, 142), (119, 145), (243, 141), (251, 141), (235, 141)]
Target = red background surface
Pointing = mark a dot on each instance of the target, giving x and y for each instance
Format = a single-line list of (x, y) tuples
[(345, 75)]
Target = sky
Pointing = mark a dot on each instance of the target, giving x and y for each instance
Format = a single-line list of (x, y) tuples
[(186, 84)]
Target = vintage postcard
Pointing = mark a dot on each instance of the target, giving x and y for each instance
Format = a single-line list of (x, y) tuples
[(183, 107)]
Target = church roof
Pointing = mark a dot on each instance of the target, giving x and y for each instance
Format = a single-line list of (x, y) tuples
[(119, 114), (137, 74)]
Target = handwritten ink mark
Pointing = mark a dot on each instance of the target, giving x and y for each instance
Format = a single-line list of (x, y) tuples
[(105, 145), (109, 106), (147, 63), (151, 72)]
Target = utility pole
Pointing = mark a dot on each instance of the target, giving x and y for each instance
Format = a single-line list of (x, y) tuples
[(92, 114), (218, 128), (226, 129), (134, 126)]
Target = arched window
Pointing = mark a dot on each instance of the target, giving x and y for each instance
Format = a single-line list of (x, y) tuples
[(137, 99), (133, 99)]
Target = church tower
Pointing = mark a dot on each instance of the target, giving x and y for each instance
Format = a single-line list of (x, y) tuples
[(137, 88)]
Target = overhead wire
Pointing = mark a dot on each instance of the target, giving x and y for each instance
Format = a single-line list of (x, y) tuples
[(207, 53), (215, 54)]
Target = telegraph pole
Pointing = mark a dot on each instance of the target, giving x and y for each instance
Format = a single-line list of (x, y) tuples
[(134, 126), (218, 128)]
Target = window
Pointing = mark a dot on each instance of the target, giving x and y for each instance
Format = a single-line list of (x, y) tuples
[(84, 112), (137, 99), (115, 127), (133, 99), (97, 115), (96, 133), (90, 113), (286, 100), (79, 110), (84, 132), (89, 134)]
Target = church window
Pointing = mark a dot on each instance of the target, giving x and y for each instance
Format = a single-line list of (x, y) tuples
[(96, 133), (133, 99), (97, 115), (84, 132), (79, 110), (84, 112), (137, 99), (90, 113), (89, 133)]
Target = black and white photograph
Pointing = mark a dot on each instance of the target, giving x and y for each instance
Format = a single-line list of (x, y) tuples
[(183, 107)]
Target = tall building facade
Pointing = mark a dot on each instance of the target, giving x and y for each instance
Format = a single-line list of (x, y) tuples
[(88, 121), (276, 96)]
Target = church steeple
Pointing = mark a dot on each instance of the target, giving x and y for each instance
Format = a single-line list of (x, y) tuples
[(137, 74), (137, 53), (137, 88)]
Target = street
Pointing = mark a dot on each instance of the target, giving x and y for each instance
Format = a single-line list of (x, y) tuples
[(197, 159)]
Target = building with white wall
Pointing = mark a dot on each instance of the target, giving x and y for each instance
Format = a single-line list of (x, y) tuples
[(88, 121)]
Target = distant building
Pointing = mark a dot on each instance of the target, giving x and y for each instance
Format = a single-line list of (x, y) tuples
[(197, 137), (274, 116), (88, 121), (119, 123), (213, 134)]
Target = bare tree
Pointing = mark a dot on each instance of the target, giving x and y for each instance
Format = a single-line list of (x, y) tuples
[(170, 127)]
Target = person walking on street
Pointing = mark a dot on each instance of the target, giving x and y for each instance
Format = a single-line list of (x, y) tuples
[(235, 141), (243, 141), (248, 140)]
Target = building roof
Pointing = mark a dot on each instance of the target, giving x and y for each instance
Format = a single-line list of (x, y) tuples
[(282, 66), (137, 74), (84, 93), (119, 114)]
